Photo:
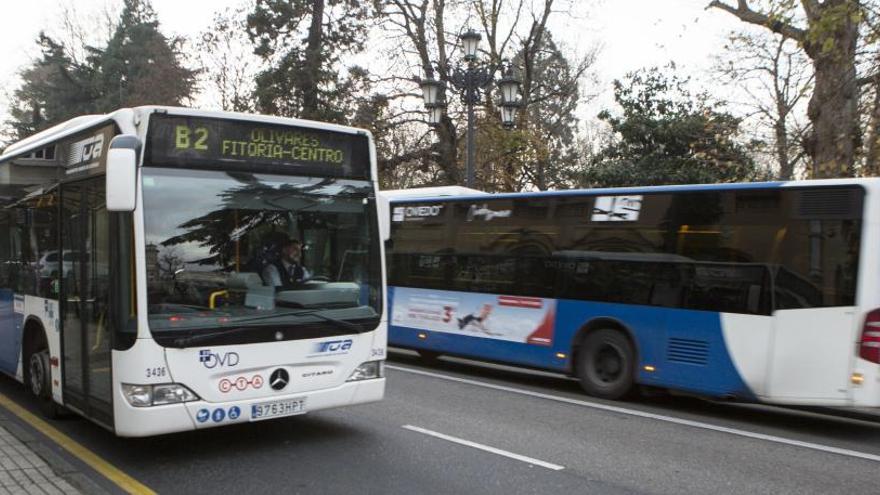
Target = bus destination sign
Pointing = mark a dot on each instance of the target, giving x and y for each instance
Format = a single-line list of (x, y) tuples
[(207, 142)]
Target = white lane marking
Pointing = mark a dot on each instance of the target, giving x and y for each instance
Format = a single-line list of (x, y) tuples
[(468, 443), (658, 417)]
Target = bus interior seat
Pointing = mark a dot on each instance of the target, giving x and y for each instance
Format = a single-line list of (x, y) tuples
[(244, 281)]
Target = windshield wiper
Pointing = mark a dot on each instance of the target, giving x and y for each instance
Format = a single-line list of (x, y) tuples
[(195, 338), (192, 338)]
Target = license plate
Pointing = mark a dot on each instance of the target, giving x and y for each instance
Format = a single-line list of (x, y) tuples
[(277, 409)]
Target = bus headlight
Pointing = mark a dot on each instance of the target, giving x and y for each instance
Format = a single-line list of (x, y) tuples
[(368, 371), (157, 395), (138, 395)]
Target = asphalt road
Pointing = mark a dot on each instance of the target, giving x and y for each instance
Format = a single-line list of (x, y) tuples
[(459, 427)]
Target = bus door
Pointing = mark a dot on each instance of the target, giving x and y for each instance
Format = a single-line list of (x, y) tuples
[(811, 354), (85, 299)]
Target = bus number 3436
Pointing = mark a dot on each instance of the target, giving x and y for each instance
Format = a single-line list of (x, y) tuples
[(156, 372)]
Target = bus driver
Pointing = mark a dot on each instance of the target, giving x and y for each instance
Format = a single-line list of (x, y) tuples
[(287, 269)]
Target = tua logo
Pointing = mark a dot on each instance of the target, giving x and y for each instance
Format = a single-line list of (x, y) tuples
[(212, 360), (333, 346), (86, 150)]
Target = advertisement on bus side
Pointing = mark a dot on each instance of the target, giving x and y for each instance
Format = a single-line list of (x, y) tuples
[(520, 319)]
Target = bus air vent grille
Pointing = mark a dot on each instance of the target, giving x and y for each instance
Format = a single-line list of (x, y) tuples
[(688, 351), (834, 203)]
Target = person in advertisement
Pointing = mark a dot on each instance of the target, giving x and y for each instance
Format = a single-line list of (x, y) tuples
[(478, 320), (286, 270)]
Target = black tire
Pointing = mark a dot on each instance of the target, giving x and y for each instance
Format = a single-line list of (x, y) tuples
[(39, 382), (606, 364), (429, 357)]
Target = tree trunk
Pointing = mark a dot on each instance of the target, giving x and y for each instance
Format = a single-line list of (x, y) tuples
[(786, 166), (872, 153), (447, 148), (313, 63), (830, 42), (833, 110)]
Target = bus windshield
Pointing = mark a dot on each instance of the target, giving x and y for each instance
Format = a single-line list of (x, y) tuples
[(236, 257)]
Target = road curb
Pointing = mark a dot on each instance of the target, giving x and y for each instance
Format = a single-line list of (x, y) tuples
[(56, 462)]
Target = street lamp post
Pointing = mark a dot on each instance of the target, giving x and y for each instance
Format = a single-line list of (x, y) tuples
[(471, 80)]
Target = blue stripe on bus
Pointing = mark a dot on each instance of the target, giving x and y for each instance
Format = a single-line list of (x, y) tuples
[(685, 347), (10, 332)]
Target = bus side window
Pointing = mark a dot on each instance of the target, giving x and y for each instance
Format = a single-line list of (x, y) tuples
[(122, 292)]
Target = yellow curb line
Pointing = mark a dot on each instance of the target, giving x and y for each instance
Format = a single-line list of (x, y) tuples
[(112, 473)]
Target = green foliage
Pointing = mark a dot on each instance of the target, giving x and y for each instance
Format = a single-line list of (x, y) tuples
[(667, 136), (54, 88), (828, 30), (303, 42), (138, 66), (539, 152), (550, 118)]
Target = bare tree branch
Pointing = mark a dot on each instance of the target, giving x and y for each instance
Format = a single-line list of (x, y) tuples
[(746, 14)]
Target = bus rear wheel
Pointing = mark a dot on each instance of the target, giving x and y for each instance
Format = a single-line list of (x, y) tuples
[(39, 377), (606, 364)]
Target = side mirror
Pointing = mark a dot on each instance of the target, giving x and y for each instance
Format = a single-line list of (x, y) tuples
[(383, 210), (122, 172)]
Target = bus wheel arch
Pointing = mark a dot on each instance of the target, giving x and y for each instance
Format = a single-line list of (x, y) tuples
[(604, 358), (36, 368)]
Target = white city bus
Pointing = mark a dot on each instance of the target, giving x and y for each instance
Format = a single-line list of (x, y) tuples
[(134, 248)]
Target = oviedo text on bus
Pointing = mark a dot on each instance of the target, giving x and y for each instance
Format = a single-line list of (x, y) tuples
[(764, 292), (166, 269)]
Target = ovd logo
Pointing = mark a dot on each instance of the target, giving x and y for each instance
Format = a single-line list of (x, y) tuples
[(213, 360)]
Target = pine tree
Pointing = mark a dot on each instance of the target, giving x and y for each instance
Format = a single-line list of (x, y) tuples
[(138, 66), (303, 41)]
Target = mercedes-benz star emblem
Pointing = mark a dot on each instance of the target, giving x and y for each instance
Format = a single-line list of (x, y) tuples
[(279, 379)]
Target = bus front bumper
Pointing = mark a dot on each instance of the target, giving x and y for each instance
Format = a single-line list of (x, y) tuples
[(157, 420)]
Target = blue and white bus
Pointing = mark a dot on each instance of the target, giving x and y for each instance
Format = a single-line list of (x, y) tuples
[(141, 255), (763, 292)]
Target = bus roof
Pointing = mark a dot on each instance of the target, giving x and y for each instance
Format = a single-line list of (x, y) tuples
[(478, 196), (59, 131), (441, 191), (127, 118)]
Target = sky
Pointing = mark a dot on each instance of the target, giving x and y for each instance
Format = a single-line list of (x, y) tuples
[(631, 34)]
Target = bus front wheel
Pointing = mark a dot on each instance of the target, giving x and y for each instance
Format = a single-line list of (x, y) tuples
[(606, 364), (40, 384)]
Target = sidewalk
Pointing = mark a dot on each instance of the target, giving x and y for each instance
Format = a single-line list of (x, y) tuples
[(23, 471)]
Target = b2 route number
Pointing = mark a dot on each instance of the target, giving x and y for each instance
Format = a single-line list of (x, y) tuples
[(157, 372), (187, 138)]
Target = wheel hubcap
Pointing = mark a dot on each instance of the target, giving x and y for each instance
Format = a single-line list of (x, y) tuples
[(37, 375), (608, 364)]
